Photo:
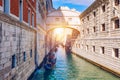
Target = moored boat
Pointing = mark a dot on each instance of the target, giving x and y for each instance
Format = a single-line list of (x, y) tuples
[(50, 60)]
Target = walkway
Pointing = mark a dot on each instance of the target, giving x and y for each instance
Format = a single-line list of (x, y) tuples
[(71, 67)]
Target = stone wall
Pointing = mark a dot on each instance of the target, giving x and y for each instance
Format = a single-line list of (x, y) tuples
[(96, 44), (40, 46), (17, 49)]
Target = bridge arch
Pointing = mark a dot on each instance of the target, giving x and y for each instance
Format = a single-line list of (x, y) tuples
[(62, 18), (51, 29)]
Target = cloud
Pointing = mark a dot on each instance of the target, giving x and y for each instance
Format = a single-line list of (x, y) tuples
[(77, 2)]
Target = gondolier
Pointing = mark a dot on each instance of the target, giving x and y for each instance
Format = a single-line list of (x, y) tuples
[(50, 59)]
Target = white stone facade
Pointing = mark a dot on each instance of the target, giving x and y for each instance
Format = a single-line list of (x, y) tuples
[(63, 17), (18, 40), (99, 40), (41, 26)]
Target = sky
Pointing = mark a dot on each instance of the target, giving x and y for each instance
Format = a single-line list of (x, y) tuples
[(79, 5)]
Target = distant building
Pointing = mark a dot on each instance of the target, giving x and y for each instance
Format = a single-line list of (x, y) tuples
[(100, 34)]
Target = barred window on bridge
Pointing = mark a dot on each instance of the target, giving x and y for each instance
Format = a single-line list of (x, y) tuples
[(117, 2)]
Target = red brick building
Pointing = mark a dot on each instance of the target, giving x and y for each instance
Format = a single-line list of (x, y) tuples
[(0, 2), (23, 10)]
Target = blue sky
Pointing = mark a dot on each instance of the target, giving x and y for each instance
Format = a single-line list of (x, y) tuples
[(79, 5)]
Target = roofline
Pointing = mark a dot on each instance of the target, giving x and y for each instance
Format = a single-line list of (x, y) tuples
[(64, 10), (93, 6)]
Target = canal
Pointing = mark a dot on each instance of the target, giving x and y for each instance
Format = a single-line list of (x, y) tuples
[(71, 67)]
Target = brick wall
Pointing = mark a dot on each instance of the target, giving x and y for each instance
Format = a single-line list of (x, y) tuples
[(25, 11), (0, 2), (14, 7), (33, 2), (32, 6)]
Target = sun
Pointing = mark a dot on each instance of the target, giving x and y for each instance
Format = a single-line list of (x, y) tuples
[(58, 31)]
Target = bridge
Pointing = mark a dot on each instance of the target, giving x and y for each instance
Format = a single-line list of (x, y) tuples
[(59, 23)]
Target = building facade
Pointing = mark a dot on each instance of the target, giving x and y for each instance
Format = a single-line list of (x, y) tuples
[(99, 40), (17, 39), (41, 13)]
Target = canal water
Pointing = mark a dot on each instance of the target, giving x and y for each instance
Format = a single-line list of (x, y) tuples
[(71, 67)]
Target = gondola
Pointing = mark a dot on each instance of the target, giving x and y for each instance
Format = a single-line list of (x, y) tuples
[(50, 61)]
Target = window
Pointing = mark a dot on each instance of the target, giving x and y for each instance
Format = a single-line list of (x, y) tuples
[(70, 19), (88, 18), (94, 13), (76, 45), (24, 56), (32, 20), (116, 22), (83, 31), (79, 45), (13, 61), (7, 6), (21, 10), (102, 50), (31, 53), (29, 17), (94, 29), (117, 2), (93, 48), (103, 27), (116, 52), (103, 8), (83, 20), (88, 31), (86, 47), (57, 19)]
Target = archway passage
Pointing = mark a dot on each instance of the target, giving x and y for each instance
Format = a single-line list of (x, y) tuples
[(63, 27), (64, 36)]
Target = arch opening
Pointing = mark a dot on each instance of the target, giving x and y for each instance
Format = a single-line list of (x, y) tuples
[(64, 36)]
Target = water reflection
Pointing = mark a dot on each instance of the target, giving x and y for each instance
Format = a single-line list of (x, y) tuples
[(71, 67)]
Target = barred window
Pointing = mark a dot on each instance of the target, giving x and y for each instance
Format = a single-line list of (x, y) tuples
[(116, 22), (31, 53), (103, 27), (116, 52), (14, 61), (57, 19), (93, 48), (88, 18), (103, 8), (94, 13), (88, 31), (117, 2), (102, 50), (94, 29), (70, 19), (24, 56)]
